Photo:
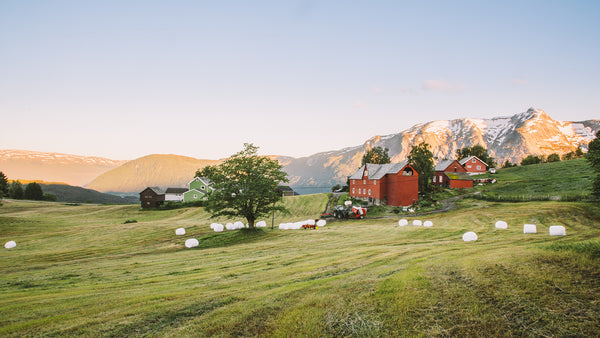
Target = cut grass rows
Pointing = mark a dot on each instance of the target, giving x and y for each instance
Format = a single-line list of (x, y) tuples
[(81, 271)]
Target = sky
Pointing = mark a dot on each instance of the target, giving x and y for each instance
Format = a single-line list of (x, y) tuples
[(125, 79)]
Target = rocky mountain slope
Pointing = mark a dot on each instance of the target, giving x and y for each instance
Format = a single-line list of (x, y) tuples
[(512, 138), (54, 167), (152, 170)]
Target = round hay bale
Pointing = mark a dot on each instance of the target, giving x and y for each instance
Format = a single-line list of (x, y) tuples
[(218, 227), (180, 232), (557, 230), (348, 203), (283, 226), (428, 224), (191, 243), (310, 222), (261, 224), (321, 223), (529, 229), (238, 225), (417, 223), (501, 225), (402, 222), (469, 236), (10, 244)]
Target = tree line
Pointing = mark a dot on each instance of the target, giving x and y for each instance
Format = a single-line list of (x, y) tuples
[(15, 190)]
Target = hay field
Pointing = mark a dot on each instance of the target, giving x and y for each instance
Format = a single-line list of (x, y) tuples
[(79, 270)]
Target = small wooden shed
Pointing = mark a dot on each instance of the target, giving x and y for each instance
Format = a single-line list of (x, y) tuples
[(152, 197)]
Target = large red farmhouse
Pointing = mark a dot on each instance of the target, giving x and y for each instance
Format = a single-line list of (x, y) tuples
[(474, 165), (395, 184), (450, 173)]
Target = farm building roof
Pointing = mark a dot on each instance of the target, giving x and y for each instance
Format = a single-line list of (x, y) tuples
[(466, 159), (459, 176), (176, 190), (377, 171), (443, 165)]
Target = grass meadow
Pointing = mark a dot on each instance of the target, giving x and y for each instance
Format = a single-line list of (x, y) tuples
[(79, 270)]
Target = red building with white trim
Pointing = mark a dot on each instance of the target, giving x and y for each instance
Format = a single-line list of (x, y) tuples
[(474, 165), (395, 184)]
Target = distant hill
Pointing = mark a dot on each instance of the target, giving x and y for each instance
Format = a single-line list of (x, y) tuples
[(68, 193), (152, 170), (53, 167)]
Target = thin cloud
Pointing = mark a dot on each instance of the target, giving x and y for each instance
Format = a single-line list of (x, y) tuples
[(359, 105), (443, 86), (520, 82), (377, 90)]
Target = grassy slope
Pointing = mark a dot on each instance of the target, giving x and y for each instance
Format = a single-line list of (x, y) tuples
[(560, 179), (78, 270)]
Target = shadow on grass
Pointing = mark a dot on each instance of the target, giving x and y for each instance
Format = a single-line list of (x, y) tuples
[(221, 239)]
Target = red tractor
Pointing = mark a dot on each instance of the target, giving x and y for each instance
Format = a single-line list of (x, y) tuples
[(349, 211)]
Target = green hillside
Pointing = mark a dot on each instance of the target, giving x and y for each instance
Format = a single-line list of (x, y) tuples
[(68, 193), (80, 270), (565, 180)]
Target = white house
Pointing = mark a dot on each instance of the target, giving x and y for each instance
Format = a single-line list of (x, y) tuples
[(175, 194)]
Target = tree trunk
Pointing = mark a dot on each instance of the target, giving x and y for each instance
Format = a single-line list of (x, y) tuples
[(250, 223)]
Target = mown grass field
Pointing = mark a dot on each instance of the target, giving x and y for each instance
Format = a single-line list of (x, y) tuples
[(79, 270)]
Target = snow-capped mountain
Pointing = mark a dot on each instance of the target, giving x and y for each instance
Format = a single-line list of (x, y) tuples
[(54, 167), (506, 138)]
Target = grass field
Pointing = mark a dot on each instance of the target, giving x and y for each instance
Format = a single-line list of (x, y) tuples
[(79, 270), (565, 180)]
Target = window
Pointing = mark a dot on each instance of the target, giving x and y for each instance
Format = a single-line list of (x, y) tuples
[(364, 181), (195, 196), (369, 192), (433, 179), (474, 161), (353, 181), (202, 187), (374, 182), (353, 190), (478, 167), (359, 191)]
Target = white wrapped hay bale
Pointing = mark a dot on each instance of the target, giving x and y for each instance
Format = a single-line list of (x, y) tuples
[(191, 243), (417, 223), (428, 224), (402, 222), (217, 227), (310, 222), (501, 225), (321, 223), (238, 225), (469, 236), (529, 229), (348, 203), (261, 224), (557, 230), (10, 245), (229, 226), (283, 226), (180, 232)]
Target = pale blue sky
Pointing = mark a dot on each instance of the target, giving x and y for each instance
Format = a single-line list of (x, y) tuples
[(124, 79)]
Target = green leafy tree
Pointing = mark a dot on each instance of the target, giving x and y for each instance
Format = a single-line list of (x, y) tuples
[(554, 157), (377, 155), (532, 159), (16, 190), (3, 185), (245, 185), (476, 150), (507, 164), (33, 191), (421, 158), (593, 158)]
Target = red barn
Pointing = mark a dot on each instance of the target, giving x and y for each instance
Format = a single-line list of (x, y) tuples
[(447, 166), (474, 165), (395, 184)]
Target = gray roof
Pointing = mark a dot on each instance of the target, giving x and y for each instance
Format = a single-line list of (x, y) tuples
[(176, 190), (156, 190), (443, 165), (377, 171), (466, 159)]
